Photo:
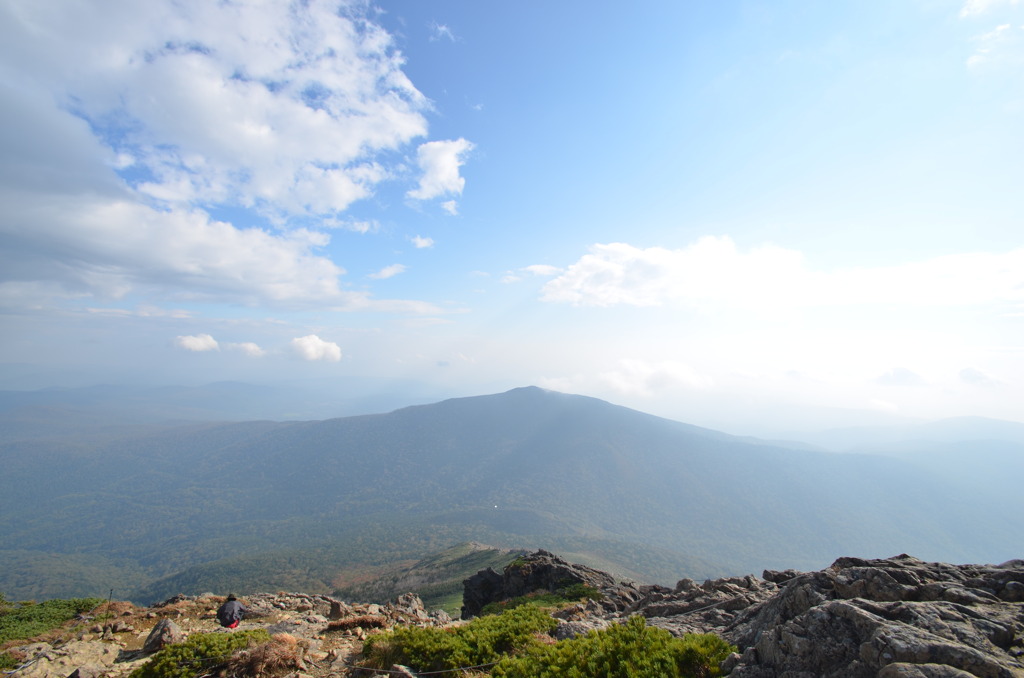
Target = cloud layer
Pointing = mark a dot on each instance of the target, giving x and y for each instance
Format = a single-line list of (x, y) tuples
[(107, 247), (714, 273), (284, 112), (974, 7), (125, 125)]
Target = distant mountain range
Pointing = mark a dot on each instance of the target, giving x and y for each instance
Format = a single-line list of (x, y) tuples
[(153, 507), (109, 404)]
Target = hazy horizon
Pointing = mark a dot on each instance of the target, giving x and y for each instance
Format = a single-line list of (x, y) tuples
[(833, 429), (741, 215)]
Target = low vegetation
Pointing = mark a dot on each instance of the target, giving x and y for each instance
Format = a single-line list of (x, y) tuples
[(201, 654), (436, 579), (567, 594), (26, 620), (630, 650), (515, 643), (481, 642)]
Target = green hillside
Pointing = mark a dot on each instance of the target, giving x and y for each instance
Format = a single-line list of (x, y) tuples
[(293, 504), (436, 579)]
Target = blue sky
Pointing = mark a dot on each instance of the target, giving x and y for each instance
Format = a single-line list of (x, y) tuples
[(704, 210)]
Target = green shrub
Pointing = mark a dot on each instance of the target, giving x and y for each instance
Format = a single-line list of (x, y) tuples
[(7, 662), (630, 650), (32, 619), (198, 655), (567, 594), (482, 641), (580, 591), (533, 599)]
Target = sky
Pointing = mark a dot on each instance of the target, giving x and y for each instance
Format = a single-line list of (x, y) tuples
[(721, 212)]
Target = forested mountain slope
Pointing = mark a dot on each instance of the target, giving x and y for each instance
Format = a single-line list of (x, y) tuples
[(526, 467)]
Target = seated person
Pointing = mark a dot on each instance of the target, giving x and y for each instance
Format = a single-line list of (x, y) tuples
[(231, 612)]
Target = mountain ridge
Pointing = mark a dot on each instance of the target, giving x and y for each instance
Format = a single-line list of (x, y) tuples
[(528, 466)]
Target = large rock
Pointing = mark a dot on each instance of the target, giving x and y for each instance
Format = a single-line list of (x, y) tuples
[(408, 606), (711, 607), (480, 589), (163, 634), (541, 572), (893, 617)]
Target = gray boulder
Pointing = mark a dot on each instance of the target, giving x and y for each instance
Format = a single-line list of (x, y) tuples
[(541, 571), (894, 617), (163, 634)]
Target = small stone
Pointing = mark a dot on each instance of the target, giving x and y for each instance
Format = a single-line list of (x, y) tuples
[(86, 672)]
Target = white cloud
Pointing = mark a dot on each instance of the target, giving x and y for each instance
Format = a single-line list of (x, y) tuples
[(987, 45), (974, 7), (128, 245), (538, 270), (146, 311), (640, 377), (440, 32), (634, 377), (281, 106), (311, 347), (713, 273), (355, 226), (440, 162), (248, 348), (291, 111), (883, 405), (975, 377), (388, 272), (198, 343), (422, 243), (141, 312), (451, 207), (900, 376), (543, 270)]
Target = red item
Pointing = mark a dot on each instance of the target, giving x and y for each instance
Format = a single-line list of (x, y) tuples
[(232, 625)]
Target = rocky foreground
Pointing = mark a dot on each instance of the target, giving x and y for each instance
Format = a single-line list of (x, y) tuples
[(894, 617), (325, 634)]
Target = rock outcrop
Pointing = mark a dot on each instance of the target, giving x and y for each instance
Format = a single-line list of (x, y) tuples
[(88, 657), (891, 618), (542, 572), (895, 617), (711, 607)]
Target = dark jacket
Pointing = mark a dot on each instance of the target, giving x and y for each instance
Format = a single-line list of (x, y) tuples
[(230, 612)]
